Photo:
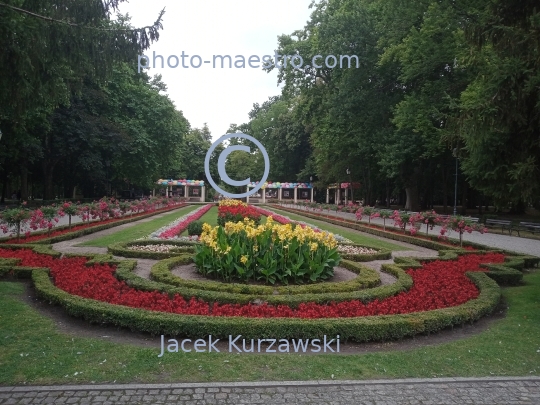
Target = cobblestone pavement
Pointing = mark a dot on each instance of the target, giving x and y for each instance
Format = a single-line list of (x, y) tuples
[(492, 391)]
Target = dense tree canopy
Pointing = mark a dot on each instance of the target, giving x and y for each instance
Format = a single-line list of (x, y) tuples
[(438, 80)]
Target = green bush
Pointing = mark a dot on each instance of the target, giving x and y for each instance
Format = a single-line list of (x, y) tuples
[(195, 228)]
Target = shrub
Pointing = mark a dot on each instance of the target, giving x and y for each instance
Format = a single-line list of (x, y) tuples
[(195, 228)]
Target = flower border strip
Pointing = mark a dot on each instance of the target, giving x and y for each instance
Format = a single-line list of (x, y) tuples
[(95, 227), (282, 219), (179, 225), (362, 329)]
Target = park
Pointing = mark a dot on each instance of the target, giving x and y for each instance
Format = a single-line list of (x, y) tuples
[(386, 255)]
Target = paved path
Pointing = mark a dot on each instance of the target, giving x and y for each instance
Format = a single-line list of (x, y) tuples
[(492, 391), (513, 243)]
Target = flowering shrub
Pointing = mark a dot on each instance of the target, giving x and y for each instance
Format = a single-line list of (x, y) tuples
[(437, 284), (68, 209), (270, 252), (15, 218), (461, 225)]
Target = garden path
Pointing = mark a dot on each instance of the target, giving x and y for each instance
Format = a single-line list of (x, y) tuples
[(497, 241), (145, 265)]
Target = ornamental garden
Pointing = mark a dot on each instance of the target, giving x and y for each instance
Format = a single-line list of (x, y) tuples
[(260, 271)]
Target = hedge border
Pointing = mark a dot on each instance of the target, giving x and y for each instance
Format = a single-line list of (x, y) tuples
[(91, 229), (403, 282), (366, 278), (360, 329)]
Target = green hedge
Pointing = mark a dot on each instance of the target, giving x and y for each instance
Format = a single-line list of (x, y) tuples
[(367, 278), (90, 230), (124, 272), (121, 249), (360, 329)]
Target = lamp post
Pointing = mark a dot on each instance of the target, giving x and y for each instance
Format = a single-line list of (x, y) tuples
[(455, 154), (350, 183)]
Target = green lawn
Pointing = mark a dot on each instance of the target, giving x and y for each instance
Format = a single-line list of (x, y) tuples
[(139, 231), (210, 218), (33, 351), (349, 234)]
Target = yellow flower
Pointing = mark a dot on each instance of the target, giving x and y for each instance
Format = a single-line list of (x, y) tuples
[(313, 246), (244, 259)]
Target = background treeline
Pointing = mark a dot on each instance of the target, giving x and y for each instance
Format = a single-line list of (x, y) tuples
[(73, 110), (437, 80)]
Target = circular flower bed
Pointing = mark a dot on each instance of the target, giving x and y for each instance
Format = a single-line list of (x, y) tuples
[(356, 250), (269, 252), (161, 248)]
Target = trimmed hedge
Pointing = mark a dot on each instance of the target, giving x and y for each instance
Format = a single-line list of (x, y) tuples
[(90, 230), (367, 278), (125, 272), (360, 329), (121, 249)]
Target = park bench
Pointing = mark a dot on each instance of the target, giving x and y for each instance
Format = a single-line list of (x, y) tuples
[(503, 224), (530, 226)]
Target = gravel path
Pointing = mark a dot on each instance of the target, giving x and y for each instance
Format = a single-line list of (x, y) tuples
[(507, 242), (144, 266)]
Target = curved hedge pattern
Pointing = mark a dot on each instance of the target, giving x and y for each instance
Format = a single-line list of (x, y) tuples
[(367, 278)]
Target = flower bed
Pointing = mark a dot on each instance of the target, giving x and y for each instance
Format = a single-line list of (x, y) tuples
[(437, 284), (282, 219), (170, 313), (70, 232), (356, 250), (235, 211), (269, 252), (175, 228)]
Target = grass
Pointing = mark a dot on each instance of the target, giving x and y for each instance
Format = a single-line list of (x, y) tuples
[(139, 231), (33, 351), (355, 236), (210, 217)]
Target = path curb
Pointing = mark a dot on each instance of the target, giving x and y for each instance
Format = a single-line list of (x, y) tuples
[(268, 384)]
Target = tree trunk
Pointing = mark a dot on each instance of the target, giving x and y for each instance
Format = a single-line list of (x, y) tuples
[(411, 190), (24, 179), (4, 186), (413, 202), (48, 182)]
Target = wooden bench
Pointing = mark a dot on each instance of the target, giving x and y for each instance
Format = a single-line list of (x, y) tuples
[(503, 224), (530, 227)]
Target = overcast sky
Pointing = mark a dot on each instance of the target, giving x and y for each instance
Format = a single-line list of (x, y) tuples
[(218, 97)]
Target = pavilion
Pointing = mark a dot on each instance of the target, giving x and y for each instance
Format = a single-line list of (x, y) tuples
[(282, 191), (193, 190)]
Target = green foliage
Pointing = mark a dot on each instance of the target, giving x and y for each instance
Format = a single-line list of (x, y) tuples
[(195, 228), (237, 255)]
